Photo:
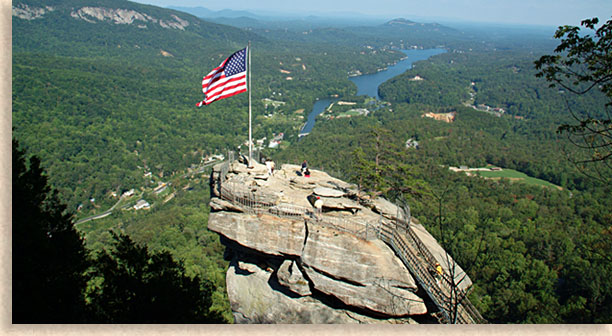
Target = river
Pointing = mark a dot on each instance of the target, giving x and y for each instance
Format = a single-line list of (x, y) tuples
[(368, 84)]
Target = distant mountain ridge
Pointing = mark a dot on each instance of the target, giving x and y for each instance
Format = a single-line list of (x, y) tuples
[(203, 12), (278, 20), (320, 28), (92, 14), (72, 28), (405, 24)]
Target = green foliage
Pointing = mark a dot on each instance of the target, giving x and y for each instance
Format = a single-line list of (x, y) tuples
[(75, 101), (49, 257), (364, 172), (439, 88), (177, 227), (519, 243), (138, 286), (582, 64), (100, 105), (52, 268), (59, 33), (382, 170)]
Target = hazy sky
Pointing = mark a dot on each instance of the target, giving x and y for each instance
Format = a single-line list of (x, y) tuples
[(541, 12)]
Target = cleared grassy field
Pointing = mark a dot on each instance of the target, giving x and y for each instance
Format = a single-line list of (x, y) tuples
[(514, 175)]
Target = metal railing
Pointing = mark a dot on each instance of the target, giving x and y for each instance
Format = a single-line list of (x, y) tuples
[(287, 210), (398, 234), (256, 203), (410, 259), (450, 300)]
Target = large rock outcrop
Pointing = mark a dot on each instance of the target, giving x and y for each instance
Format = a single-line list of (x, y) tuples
[(294, 263)]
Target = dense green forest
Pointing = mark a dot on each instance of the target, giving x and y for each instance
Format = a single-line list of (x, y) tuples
[(526, 247), (96, 113), (56, 279), (111, 107)]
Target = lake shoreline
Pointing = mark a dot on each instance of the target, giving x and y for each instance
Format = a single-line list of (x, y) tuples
[(367, 84)]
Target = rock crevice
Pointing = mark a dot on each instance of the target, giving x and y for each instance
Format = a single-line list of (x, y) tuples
[(295, 261)]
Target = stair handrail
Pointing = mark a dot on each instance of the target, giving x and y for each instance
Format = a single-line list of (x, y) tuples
[(388, 232)]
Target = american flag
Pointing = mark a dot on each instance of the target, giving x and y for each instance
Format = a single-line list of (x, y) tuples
[(226, 80)]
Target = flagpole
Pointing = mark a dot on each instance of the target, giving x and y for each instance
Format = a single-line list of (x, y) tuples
[(250, 129)]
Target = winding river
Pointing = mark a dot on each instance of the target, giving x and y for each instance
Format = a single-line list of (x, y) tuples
[(368, 84)]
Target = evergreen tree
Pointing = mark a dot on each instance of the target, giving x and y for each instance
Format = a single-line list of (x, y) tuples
[(51, 268), (49, 257), (143, 287)]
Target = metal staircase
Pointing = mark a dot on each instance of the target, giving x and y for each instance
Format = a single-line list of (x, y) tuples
[(452, 302)]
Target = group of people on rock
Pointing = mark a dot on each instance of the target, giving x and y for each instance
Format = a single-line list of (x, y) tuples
[(270, 165)]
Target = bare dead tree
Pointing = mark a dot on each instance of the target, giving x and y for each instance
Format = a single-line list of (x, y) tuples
[(451, 280)]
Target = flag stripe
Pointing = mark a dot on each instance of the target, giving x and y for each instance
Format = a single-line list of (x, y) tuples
[(226, 80), (211, 76), (225, 96), (229, 89), (215, 71), (207, 85)]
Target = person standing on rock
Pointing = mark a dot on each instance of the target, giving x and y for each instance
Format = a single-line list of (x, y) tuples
[(318, 204), (316, 201), (439, 273), (304, 167), (269, 166)]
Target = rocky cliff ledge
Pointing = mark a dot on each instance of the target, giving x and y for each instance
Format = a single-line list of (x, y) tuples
[(294, 263)]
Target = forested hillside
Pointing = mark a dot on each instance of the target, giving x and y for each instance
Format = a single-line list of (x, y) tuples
[(102, 102), (537, 254), (104, 92)]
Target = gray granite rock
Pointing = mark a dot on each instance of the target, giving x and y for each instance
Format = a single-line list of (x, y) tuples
[(290, 276), (381, 296), (217, 204), (255, 298), (291, 261), (265, 233), (328, 192)]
